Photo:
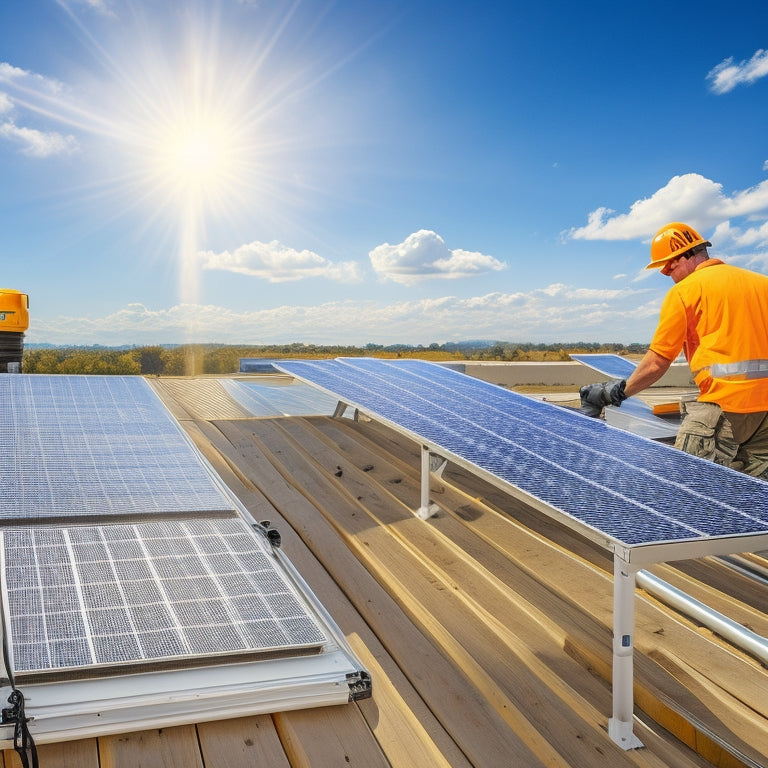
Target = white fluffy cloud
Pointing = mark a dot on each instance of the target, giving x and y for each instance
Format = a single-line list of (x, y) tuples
[(555, 313), (727, 75), (424, 254), (30, 80), (278, 263), (34, 142), (691, 197)]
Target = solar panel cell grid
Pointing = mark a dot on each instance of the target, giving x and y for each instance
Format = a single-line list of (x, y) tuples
[(90, 445), (127, 594), (663, 466), (628, 488)]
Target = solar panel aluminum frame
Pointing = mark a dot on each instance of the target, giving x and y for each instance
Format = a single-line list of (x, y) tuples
[(90, 707), (628, 558)]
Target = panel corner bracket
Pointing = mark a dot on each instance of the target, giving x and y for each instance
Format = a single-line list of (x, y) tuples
[(360, 685), (341, 407)]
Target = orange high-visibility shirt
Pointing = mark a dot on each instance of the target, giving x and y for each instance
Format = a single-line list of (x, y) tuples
[(718, 315)]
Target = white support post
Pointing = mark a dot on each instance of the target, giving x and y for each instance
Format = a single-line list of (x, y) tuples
[(620, 725), (426, 510)]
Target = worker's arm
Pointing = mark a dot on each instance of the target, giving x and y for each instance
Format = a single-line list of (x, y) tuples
[(650, 369)]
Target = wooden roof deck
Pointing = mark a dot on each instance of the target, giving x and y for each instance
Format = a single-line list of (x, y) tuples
[(486, 629)]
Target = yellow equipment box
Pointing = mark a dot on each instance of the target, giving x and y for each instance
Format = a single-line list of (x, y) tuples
[(14, 311)]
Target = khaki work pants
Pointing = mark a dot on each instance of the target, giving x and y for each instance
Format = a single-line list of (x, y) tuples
[(736, 440)]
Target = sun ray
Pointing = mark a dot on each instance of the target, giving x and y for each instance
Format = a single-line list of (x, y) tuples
[(187, 121)]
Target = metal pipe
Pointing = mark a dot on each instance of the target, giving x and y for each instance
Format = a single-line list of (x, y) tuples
[(746, 567), (732, 631)]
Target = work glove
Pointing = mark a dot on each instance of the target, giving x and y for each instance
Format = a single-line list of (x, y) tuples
[(595, 396)]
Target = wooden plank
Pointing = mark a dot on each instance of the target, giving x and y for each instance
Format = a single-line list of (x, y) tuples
[(746, 730), (218, 450), (722, 588), (329, 736), (242, 742), (83, 753), (164, 389), (175, 747)]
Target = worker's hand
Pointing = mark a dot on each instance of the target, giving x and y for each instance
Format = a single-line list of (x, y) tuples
[(595, 396), (616, 392)]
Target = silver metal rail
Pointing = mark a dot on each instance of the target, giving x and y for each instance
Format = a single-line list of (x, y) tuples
[(747, 567), (730, 630)]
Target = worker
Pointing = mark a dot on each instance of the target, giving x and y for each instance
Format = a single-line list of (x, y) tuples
[(717, 314)]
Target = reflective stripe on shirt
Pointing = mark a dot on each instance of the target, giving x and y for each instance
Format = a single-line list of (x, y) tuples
[(744, 369)]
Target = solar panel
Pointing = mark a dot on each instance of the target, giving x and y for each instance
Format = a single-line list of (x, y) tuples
[(78, 446), (256, 365), (611, 366), (85, 597), (617, 485), (135, 589), (267, 399)]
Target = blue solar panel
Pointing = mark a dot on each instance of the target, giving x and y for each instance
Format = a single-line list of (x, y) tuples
[(96, 445), (628, 488), (611, 366)]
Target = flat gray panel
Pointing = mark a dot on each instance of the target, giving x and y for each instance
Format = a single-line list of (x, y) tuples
[(628, 488), (96, 445), (95, 596), (268, 398)]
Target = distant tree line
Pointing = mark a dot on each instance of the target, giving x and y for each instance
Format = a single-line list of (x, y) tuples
[(197, 359)]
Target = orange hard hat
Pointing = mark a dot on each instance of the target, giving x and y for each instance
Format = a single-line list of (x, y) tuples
[(673, 240)]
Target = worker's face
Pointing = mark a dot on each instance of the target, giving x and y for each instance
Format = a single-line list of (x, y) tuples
[(679, 267)]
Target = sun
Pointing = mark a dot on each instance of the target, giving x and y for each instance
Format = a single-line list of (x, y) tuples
[(197, 158), (196, 123)]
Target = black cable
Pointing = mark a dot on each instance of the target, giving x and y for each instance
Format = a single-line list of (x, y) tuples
[(23, 742)]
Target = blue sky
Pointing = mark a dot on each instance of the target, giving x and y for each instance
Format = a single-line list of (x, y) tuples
[(353, 172)]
